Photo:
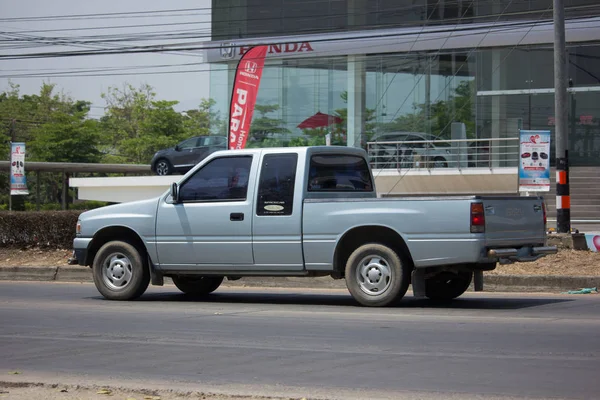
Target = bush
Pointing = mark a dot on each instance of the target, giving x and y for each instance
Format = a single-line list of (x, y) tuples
[(54, 229)]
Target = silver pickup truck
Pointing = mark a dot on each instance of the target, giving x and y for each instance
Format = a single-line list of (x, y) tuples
[(304, 212)]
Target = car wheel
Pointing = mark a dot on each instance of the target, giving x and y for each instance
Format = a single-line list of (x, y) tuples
[(440, 162), (163, 167), (197, 285), (119, 271), (376, 276), (447, 285)]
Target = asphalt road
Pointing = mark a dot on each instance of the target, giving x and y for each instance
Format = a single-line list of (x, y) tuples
[(305, 343)]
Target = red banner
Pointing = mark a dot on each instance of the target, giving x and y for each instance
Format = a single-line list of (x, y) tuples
[(243, 97)]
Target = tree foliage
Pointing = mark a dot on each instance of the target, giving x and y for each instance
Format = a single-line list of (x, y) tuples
[(458, 108)]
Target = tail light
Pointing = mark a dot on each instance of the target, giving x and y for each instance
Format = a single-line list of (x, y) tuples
[(477, 218), (544, 212)]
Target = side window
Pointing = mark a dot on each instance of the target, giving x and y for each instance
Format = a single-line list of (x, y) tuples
[(276, 186), (222, 179), (339, 173), (214, 141), (189, 144)]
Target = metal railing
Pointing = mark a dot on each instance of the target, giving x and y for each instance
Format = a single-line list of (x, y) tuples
[(437, 154)]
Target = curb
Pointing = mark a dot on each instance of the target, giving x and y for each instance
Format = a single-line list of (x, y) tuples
[(504, 283)]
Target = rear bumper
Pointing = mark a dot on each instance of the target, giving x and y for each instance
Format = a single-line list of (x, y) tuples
[(522, 254)]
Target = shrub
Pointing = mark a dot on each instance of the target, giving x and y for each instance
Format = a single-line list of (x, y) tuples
[(54, 229)]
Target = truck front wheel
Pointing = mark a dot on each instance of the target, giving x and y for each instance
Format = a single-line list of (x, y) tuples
[(376, 276), (119, 271), (197, 285), (447, 285)]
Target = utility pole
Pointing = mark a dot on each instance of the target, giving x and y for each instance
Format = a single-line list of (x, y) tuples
[(563, 198), (12, 139)]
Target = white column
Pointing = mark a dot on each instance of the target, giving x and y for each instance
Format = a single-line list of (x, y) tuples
[(356, 78), (498, 110), (356, 99)]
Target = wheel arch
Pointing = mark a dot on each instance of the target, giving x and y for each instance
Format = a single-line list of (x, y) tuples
[(111, 233), (359, 235)]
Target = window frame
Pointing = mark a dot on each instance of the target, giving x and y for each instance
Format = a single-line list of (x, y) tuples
[(182, 184), (259, 183), (310, 166)]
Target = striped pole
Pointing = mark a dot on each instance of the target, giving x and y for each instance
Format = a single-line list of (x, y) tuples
[(563, 195), (563, 199)]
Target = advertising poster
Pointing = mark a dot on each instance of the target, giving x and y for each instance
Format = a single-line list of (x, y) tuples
[(18, 184), (534, 161), (593, 241)]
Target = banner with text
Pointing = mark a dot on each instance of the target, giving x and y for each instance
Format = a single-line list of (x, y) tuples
[(534, 161), (243, 97), (18, 183)]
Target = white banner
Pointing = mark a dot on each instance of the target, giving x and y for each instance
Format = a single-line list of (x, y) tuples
[(18, 182)]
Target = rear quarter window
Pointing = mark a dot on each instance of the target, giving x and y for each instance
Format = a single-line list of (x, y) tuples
[(339, 173)]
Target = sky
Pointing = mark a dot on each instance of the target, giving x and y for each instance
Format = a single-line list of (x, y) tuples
[(188, 88)]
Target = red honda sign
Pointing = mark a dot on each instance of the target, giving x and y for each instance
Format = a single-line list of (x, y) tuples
[(243, 98)]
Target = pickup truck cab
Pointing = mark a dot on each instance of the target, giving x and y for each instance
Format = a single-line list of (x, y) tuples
[(310, 211)]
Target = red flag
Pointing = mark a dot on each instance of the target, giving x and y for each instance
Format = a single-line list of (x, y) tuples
[(243, 97)]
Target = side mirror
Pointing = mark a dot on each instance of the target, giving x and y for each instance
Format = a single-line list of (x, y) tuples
[(177, 147), (175, 192)]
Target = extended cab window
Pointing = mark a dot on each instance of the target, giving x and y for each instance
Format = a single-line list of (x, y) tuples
[(276, 187), (339, 173), (221, 179)]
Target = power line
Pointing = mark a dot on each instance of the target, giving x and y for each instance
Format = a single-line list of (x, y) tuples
[(313, 17), (203, 46)]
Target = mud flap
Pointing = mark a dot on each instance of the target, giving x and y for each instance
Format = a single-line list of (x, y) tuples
[(156, 278), (418, 283), (478, 281)]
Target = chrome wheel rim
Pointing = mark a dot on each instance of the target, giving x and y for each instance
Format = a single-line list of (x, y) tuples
[(117, 271), (374, 275), (162, 168)]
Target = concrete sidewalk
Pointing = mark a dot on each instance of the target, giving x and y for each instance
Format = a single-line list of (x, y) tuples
[(505, 283)]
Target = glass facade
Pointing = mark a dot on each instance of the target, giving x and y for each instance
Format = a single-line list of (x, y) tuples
[(493, 91), (236, 19)]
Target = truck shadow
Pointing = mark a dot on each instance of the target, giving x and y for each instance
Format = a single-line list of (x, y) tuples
[(480, 301)]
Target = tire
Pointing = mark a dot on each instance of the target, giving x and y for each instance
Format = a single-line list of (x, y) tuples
[(197, 285), (119, 271), (447, 285), (440, 162), (376, 276), (163, 167)]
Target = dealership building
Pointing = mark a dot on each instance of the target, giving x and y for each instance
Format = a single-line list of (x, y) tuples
[(415, 65)]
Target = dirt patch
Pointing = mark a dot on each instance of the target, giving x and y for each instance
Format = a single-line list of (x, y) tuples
[(26, 391), (35, 257), (564, 263)]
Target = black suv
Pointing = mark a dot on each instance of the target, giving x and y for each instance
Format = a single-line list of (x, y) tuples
[(184, 155)]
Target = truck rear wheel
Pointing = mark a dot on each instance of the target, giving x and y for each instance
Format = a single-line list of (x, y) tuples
[(448, 285), (376, 276), (119, 271), (197, 285)]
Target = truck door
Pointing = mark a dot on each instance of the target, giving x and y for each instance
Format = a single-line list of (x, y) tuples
[(211, 225), (277, 217)]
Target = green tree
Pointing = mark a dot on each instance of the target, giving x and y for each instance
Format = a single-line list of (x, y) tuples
[(264, 127), (458, 108), (54, 127), (137, 125), (203, 120)]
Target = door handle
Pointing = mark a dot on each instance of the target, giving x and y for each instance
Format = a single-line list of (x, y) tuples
[(236, 216)]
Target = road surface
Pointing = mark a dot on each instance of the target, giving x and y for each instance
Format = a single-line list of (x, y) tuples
[(304, 343)]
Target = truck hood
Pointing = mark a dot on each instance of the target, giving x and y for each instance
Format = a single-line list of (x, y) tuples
[(139, 214)]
